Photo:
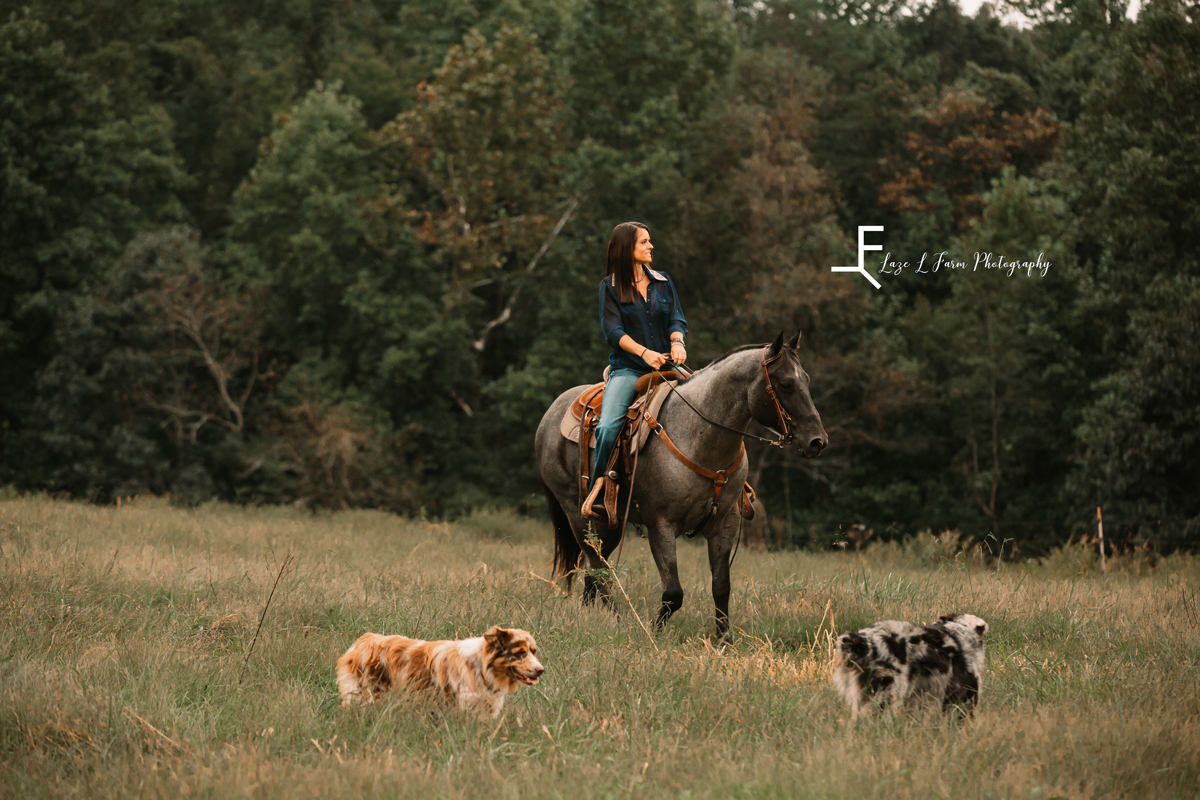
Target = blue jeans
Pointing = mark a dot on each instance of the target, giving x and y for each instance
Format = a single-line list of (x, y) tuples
[(618, 394)]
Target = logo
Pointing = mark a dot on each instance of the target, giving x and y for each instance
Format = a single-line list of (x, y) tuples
[(863, 247), (988, 262)]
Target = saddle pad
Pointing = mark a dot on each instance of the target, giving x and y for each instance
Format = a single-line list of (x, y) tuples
[(570, 426)]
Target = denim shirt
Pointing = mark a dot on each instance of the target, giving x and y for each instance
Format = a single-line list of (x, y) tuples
[(649, 322)]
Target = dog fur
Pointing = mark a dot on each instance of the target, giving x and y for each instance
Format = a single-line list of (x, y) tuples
[(467, 674), (895, 662)]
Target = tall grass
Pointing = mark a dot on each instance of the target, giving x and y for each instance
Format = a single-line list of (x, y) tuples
[(123, 633)]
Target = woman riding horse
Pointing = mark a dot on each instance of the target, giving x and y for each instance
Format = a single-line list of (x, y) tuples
[(639, 315)]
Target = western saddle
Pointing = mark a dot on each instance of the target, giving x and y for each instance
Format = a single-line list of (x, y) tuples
[(579, 424)]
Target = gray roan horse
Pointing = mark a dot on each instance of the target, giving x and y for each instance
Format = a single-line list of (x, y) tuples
[(669, 498)]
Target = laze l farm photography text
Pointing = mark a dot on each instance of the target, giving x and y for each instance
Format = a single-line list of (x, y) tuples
[(929, 264)]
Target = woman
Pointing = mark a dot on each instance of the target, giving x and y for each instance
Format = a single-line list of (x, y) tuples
[(640, 316)]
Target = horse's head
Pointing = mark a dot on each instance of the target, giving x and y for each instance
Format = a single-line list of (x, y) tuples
[(779, 399)]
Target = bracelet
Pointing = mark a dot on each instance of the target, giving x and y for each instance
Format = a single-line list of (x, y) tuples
[(643, 353), (678, 342)]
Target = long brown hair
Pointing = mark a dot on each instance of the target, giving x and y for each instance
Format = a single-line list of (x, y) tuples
[(620, 258)]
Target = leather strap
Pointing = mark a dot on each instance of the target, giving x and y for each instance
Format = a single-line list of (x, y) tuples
[(746, 502), (780, 413), (719, 478), (585, 462)]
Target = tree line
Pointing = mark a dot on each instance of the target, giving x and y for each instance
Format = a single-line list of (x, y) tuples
[(346, 253)]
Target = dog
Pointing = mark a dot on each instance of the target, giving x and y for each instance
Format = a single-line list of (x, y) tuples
[(468, 674), (895, 662)]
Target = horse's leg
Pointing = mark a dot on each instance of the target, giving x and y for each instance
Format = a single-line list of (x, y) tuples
[(593, 586), (719, 547), (662, 547)]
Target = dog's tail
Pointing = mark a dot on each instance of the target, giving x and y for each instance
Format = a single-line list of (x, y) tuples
[(566, 547)]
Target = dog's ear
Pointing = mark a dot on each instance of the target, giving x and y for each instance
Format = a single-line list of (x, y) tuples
[(853, 645), (497, 637), (981, 628), (948, 618)]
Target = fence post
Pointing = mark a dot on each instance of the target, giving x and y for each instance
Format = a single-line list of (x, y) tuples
[(1100, 525)]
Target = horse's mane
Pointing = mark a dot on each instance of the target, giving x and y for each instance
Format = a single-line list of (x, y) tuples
[(734, 351)]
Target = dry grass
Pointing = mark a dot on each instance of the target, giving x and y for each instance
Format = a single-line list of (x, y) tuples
[(123, 632)]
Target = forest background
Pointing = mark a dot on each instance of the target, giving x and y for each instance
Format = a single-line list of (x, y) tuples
[(345, 252)]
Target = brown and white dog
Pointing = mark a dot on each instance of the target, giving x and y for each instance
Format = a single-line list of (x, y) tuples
[(468, 674), (892, 662)]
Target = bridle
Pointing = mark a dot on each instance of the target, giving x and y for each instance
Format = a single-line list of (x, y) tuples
[(784, 430), (785, 419), (721, 477)]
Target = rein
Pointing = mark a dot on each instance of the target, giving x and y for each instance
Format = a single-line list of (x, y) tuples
[(780, 413), (721, 477)]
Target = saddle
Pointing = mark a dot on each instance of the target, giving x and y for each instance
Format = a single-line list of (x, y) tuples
[(652, 389), (580, 420), (578, 425)]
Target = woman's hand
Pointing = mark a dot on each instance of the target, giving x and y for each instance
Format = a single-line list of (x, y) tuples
[(678, 352), (653, 358)]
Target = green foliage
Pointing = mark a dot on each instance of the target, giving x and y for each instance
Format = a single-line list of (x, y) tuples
[(403, 209), (475, 165), (297, 221), (79, 180), (1142, 434), (1134, 171), (641, 74), (354, 316), (206, 340), (1008, 371), (1134, 164), (148, 391)]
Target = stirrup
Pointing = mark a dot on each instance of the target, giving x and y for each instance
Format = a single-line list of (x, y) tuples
[(592, 498)]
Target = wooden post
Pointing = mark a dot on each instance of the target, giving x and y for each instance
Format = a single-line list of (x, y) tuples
[(1100, 525)]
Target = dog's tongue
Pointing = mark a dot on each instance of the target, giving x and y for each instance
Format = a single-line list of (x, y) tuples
[(524, 679)]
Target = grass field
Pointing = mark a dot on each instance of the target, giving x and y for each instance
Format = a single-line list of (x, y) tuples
[(124, 636)]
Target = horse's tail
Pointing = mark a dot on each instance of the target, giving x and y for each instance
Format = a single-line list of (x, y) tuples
[(566, 547)]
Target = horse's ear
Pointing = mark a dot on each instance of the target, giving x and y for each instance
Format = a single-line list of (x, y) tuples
[(775, 346), (794, 342)]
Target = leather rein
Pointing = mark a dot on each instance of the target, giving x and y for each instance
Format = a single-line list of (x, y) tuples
[(721, 477), (784, 435)]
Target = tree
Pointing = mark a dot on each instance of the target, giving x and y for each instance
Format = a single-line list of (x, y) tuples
[(1009, 373), (79, 181), (150, 387), (961, 142), (642, 74), (1132, 163), (355, 326), (1141, 436), (1135, 180), (476, 162)]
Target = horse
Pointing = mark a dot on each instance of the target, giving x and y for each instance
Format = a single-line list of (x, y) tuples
[(706, 418)]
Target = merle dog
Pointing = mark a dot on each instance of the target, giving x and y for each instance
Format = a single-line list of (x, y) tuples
[(891, 662)]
